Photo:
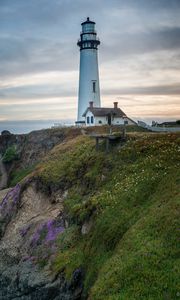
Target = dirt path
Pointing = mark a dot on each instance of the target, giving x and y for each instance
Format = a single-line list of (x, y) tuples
[(4, 177)]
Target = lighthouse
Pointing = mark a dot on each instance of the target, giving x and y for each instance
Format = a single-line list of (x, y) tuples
[(89, 90)]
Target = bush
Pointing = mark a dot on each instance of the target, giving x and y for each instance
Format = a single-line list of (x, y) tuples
[(10, 154)]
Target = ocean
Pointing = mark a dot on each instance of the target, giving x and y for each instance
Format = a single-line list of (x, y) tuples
[(20, 127)]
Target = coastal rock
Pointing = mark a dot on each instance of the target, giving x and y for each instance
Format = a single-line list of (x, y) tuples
[(25, 213), (26, 282), (33, 146), (6, 132), (17, 279), (86, 227)]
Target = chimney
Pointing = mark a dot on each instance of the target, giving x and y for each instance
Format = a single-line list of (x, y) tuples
[(115, 104), (91, 104)]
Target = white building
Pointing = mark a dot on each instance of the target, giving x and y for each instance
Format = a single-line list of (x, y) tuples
[(88, 74), (94, 116)]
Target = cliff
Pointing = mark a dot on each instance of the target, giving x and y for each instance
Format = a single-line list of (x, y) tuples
[(20, 153), (89, 225)]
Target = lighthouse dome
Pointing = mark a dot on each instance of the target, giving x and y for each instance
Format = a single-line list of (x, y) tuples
[(88, 26)]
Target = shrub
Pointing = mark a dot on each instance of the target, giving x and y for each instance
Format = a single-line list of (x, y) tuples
[(10, 154)]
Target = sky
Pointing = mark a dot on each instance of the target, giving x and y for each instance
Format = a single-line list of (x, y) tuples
[(139, 57)]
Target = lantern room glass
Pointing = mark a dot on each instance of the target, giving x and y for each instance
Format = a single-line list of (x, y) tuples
[(88, 27)]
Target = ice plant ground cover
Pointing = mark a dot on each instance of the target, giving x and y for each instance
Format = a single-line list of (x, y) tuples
[(42, 240), (47, 231), (132, 195)]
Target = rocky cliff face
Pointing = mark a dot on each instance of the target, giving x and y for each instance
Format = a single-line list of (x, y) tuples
[(30, 149), (29, 225), (33, 146), (26, 215)]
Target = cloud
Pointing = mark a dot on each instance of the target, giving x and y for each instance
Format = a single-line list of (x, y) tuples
[(22, 56), (126, 45), (148, 90), (39, 58)]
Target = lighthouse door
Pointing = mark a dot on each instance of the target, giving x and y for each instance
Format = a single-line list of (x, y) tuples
[(109, 119)]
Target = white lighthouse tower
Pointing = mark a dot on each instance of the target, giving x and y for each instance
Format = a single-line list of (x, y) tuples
[(89, 74)]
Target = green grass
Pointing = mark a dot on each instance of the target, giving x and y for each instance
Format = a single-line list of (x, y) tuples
[(18, 175), (135, 128), (132, 195), (73, 164), (144, 264)]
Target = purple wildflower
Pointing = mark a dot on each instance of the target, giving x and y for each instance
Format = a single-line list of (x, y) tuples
[(36, 235), (10, 200), (47, 232), (42, 244), (53, 232)]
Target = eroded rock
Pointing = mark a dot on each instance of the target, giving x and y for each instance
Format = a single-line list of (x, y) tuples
[(30, 223)]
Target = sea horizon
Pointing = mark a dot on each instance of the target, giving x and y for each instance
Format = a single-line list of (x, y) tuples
[(26, 126)]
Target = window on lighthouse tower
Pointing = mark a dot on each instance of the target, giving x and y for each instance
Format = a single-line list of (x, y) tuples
[(94, 87)]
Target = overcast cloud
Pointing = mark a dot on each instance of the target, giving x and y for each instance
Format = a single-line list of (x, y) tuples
[(139, 57)]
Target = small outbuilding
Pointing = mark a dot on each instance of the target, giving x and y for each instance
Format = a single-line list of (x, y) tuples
[(106, 116)]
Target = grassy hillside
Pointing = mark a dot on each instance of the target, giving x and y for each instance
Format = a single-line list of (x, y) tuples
[(129, 200)]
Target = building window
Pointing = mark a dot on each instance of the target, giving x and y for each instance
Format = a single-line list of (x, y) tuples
[(92, 119), (125, 122), (94, 87), (87, 120), (100, 122)]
